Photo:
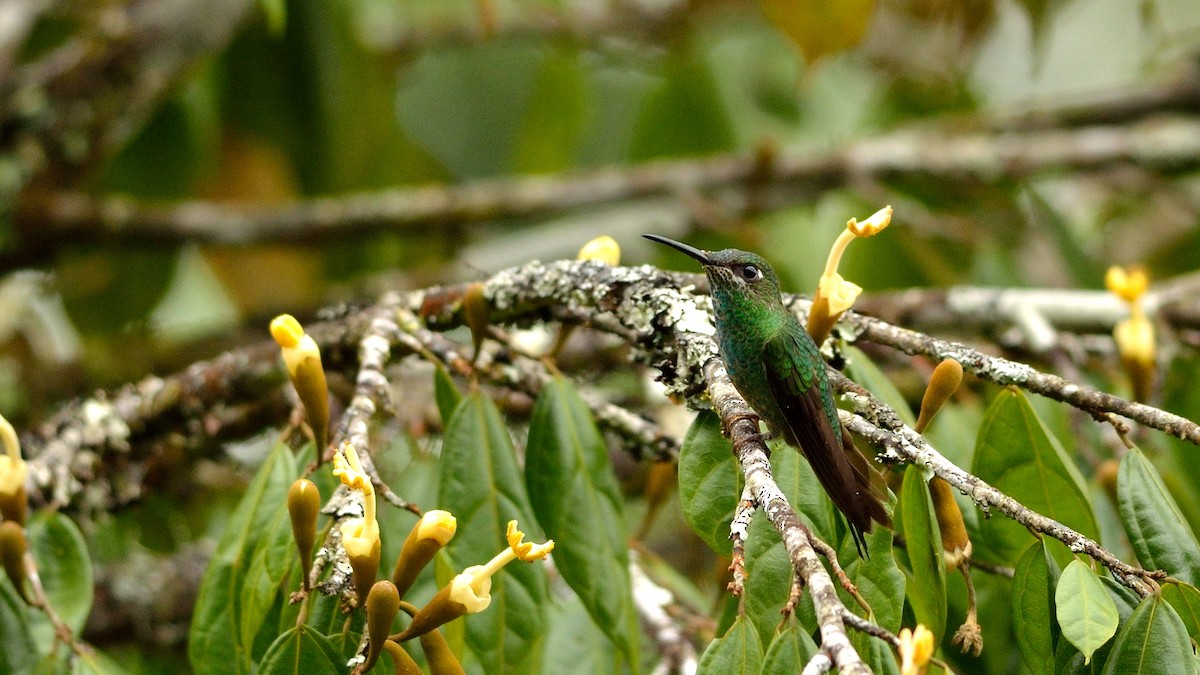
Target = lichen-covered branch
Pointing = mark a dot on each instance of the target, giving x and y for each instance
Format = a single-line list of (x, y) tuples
[(881, 427), (754, 458)]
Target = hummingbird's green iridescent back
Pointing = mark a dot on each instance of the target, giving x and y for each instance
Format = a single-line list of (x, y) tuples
[(778, 369)]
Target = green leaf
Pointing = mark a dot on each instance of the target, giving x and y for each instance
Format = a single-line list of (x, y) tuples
[(574, 644), (1086, 612), (710, 481), (878, 578), (1158, 532), (1018, 456), (550, 130), (96, 662), (789, 651), (1153, 640), (927, 576), (1034, 579), (276, 13), (1185, 598), (861, 369), (768, 578), (301, 651), (482, 486), (271, 565), (17, 653), (446, 393), (737, 652), (684, 115), (66, 573), (216, 643), (575, 496)]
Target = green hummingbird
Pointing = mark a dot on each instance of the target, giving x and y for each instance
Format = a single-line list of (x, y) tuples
[(776, 366)]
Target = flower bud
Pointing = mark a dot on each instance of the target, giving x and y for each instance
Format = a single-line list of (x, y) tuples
[(942, 385), (382, 604), (438, 654), (14, 503), (477, 316), (303, 360), (604, 249), (304, 504), (956, 545), (405, 665), (426, 538), (12, 554)]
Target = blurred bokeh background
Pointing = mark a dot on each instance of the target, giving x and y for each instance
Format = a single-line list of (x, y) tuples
[(143, 140)]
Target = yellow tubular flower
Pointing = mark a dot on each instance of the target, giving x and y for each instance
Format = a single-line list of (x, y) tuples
[(470, 591), (604, 248), (14, 504), (427, 537), (916, 648), (303, 361), (360, 536), (1134, 336), (834, 294)]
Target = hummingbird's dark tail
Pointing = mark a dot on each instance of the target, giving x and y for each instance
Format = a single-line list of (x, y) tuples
[(866, 504)]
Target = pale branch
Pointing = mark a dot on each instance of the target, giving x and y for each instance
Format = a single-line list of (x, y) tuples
[(739, 532), (1004, 372), (653, 602), (753, 456), (1078, 310), (1167, 143), (371, 392), (882, 428)]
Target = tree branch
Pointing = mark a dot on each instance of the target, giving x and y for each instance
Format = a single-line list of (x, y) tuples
[(1155, 144)]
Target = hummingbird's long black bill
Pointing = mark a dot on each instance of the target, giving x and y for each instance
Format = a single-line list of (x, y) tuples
[(692, 251)]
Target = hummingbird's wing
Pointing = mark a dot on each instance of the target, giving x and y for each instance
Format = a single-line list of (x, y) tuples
[(806, 421)]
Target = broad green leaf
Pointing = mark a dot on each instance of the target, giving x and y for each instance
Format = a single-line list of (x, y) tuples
[(684, 115), (926, 587), (768, 579), (216, 643), (574, 644), (878, 578), (65, 570), (482, 486), (17, 652), (1158, 532), (446, 393), (861, 369), (270, 567), (1087, 614), (738, 652), (96, 662), (550, 130), (710, 481), (1015, 453), (1034, 579), (1185, 598), (575, 496), (1153, 640), (301, 651), (789, 651)]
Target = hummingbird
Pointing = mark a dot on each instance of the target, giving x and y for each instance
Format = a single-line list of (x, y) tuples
[(776, 366)]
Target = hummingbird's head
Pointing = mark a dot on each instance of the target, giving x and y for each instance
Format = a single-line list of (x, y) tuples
[(732, 272)]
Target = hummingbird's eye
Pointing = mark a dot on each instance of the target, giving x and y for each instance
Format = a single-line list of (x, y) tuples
[(751, 273)]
